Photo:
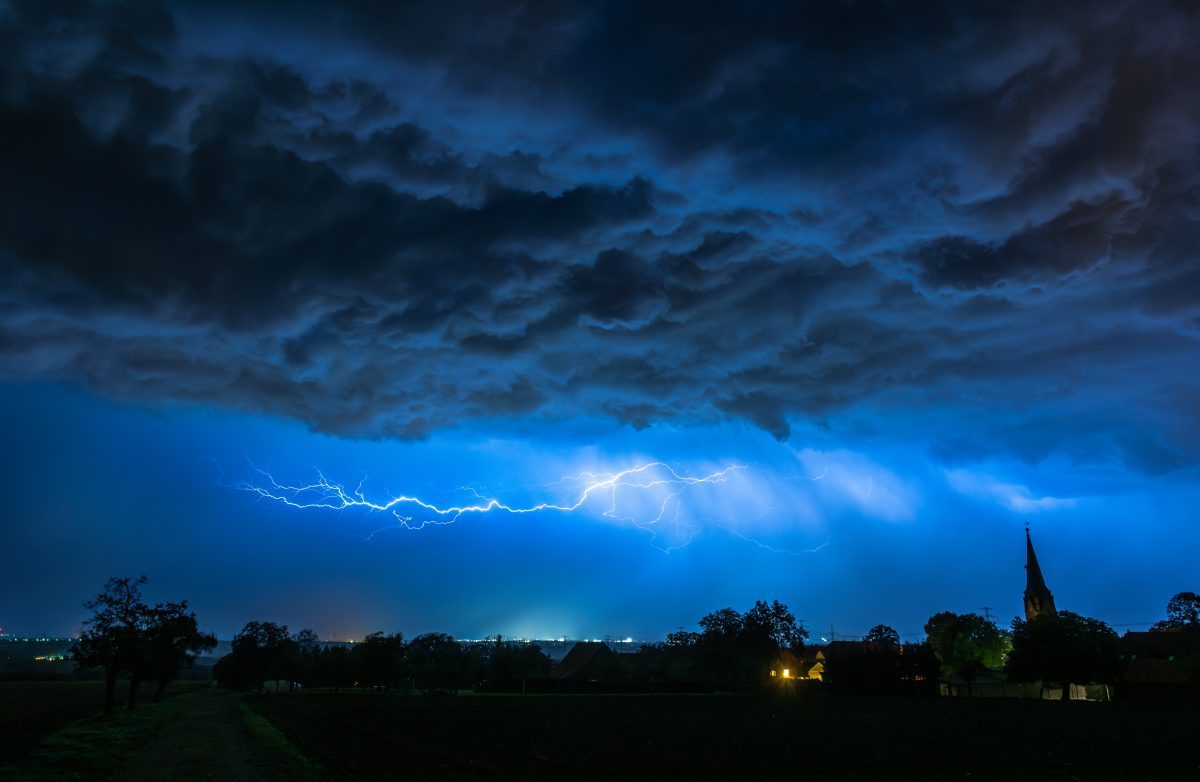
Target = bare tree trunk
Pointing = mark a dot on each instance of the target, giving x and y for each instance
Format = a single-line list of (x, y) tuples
[(162, 690), (1066, 693)]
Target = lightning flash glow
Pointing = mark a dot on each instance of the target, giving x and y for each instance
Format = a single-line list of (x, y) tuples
[(657, 482)]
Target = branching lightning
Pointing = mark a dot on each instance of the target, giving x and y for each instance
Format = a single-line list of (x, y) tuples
[(663, 482), (329, 495)]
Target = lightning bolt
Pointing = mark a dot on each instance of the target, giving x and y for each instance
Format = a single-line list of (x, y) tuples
[(414, 513), (329, 495)]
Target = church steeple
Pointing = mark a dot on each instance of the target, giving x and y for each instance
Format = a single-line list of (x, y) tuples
[(1038, 600)]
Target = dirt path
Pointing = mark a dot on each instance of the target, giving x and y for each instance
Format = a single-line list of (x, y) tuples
[(211, 740)]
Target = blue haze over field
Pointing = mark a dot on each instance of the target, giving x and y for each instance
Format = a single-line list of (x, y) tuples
[(925, 273)]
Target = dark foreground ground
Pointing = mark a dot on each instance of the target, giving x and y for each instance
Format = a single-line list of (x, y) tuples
[(674, 737), (31, 710), (52, 731)]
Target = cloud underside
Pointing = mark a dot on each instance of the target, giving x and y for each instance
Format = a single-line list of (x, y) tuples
[(976, 224)]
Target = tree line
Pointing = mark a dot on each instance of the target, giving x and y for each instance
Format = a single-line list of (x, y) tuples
[(730, 651), (265, 652), (1064, 648)]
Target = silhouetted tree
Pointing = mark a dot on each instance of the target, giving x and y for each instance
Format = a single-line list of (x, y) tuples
[(722, 623), (1183, 622), (678, 659), (1066, 648), (883, 636), (113, 636), (718, 646), (437, 661), (1183, 613), (777, 622), (307, 656), (737, 650), (172, 641), (507, 662), (335, 668), (682, 639), (872, 666), (124, 635), (966, 645), (261, 652), (382, 660)]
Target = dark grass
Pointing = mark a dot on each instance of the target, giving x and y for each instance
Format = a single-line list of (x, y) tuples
[(59, 725), (30, 710), (671, 737), (94, 748)]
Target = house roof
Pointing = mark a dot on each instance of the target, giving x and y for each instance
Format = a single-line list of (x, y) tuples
[(1160, 643), (582, 654)]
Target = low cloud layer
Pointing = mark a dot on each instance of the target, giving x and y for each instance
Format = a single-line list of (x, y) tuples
[(974, 225)]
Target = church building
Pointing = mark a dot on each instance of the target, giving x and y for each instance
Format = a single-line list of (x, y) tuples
[(1038, 600)]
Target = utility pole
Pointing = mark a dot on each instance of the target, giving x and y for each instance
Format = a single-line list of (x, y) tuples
[(987, 612)]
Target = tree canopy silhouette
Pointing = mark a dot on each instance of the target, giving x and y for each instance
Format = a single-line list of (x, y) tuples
[(125, 635), (966, 645), (173, 639), (1066, 648), (737, 650), (261, 652), (1183, 613), (883, 637)]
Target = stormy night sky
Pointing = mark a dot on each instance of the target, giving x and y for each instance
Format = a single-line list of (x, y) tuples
[(902, 276)]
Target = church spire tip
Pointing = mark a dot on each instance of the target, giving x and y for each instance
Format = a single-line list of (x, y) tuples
[(1038, 599)]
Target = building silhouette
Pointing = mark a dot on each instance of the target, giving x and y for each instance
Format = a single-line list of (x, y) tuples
[(1038, 600)]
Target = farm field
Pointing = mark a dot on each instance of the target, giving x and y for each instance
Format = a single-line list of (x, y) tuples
[(54, 731), (51, 730), (610, 737), (30, 710)]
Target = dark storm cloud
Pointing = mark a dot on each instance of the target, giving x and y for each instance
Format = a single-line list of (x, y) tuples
[(387, 219)]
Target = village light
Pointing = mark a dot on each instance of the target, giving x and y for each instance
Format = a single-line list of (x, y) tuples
[(787, 673)]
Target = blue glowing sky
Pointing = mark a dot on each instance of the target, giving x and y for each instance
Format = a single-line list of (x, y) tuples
[(918, 275)]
